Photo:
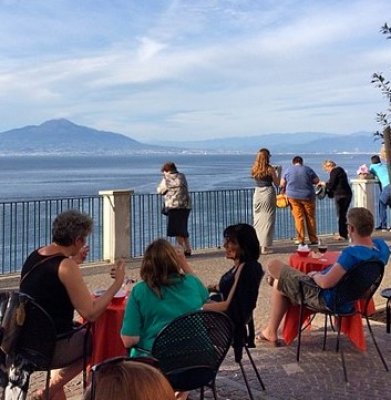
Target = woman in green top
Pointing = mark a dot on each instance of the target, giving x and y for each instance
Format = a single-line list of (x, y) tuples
[(168, 290)]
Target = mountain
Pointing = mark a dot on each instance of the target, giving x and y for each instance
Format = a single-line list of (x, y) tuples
[(298, 142), (62, 136)]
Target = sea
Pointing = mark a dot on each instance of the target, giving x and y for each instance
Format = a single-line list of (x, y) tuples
[(51, 176)]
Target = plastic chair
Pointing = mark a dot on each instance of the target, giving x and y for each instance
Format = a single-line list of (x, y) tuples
[(191, 349), (37, 341), (360, 282)]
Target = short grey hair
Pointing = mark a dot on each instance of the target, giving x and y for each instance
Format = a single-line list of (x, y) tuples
[(70, 225)]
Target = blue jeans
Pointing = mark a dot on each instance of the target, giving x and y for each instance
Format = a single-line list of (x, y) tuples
[(384, 201)]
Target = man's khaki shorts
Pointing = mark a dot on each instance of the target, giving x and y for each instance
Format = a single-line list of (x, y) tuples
[(289, 285)]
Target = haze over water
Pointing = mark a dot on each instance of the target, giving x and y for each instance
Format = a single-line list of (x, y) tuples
[(36, 177)]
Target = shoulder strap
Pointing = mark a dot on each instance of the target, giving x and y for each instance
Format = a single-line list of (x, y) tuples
[(38, 264)]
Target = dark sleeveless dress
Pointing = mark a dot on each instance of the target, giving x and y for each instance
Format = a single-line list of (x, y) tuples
[(243, 301), (44, 285)]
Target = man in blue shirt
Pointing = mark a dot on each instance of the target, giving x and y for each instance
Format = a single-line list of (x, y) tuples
[(297, 182), (381, 172), (286, 287)]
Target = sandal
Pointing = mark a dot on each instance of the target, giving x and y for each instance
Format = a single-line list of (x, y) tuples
[(262, 339)]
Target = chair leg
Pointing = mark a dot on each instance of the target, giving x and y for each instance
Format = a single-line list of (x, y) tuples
[(246, 381), (202, 390), (213, 387), (87, 342), (251, 333), (47, 394), (339, 323), (299, 333), (325, 332), (338, 348), (255, 368), (388, 316), (376, 345)]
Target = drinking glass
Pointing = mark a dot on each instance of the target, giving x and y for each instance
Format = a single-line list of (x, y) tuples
[(322, 248)]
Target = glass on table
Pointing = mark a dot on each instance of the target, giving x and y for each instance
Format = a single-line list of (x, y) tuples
[(322, 248)]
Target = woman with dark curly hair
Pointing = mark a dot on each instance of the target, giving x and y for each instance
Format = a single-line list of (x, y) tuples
[(51, 276)]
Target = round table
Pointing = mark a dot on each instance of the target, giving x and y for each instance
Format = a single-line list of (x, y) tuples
[(106, 333)]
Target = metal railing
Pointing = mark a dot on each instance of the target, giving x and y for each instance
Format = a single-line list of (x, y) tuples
[(26, 225), (212, 212)]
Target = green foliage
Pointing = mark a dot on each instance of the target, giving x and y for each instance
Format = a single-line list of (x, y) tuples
[(386, 30), (378, 79)]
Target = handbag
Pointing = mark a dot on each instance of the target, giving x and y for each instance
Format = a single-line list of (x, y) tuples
[(12, 322), (15, 315), (282, 201)]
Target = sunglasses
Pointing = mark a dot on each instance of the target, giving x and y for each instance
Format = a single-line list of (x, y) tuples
[(116, 361)]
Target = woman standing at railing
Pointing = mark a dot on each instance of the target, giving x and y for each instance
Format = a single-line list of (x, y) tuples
[(177, 204), (339, 188), (264, 201)]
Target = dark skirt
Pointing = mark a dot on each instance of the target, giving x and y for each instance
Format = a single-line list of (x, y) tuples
[(177, 222)]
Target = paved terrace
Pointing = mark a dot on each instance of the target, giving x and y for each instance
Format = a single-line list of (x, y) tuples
[(319, 374)]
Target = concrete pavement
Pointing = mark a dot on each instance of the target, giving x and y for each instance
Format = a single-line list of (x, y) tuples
[(318, 375)]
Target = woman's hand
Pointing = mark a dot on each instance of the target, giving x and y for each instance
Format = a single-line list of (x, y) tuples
[(182, 261), (312, 273), (212, 288), (118, 272), (82, 255)]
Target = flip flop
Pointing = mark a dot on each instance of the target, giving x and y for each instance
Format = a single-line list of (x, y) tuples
[(262, 339)]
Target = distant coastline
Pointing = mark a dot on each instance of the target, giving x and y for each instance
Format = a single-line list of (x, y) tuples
[(170, 152), (60, 136)]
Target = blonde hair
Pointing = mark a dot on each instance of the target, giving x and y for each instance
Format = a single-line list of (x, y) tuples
[(329, 163), (127, 380), (261, 166), (159, 262)]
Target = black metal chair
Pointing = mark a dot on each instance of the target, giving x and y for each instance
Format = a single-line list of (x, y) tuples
[(240, 343), (37, 341), (361, 282), (386, 293), (191, 349)]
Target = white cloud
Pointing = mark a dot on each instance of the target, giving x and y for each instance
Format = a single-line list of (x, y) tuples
[(205, 68)]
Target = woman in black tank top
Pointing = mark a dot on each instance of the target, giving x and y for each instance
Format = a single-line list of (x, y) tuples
[(51, 275)]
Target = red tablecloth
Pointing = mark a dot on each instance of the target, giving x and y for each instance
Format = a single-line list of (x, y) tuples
[(106, 338), (351, 326)]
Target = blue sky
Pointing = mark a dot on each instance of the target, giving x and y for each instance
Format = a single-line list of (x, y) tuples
[(194, 69)]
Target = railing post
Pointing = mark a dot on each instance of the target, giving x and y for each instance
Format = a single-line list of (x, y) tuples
[(364, 194), (116, 224)]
